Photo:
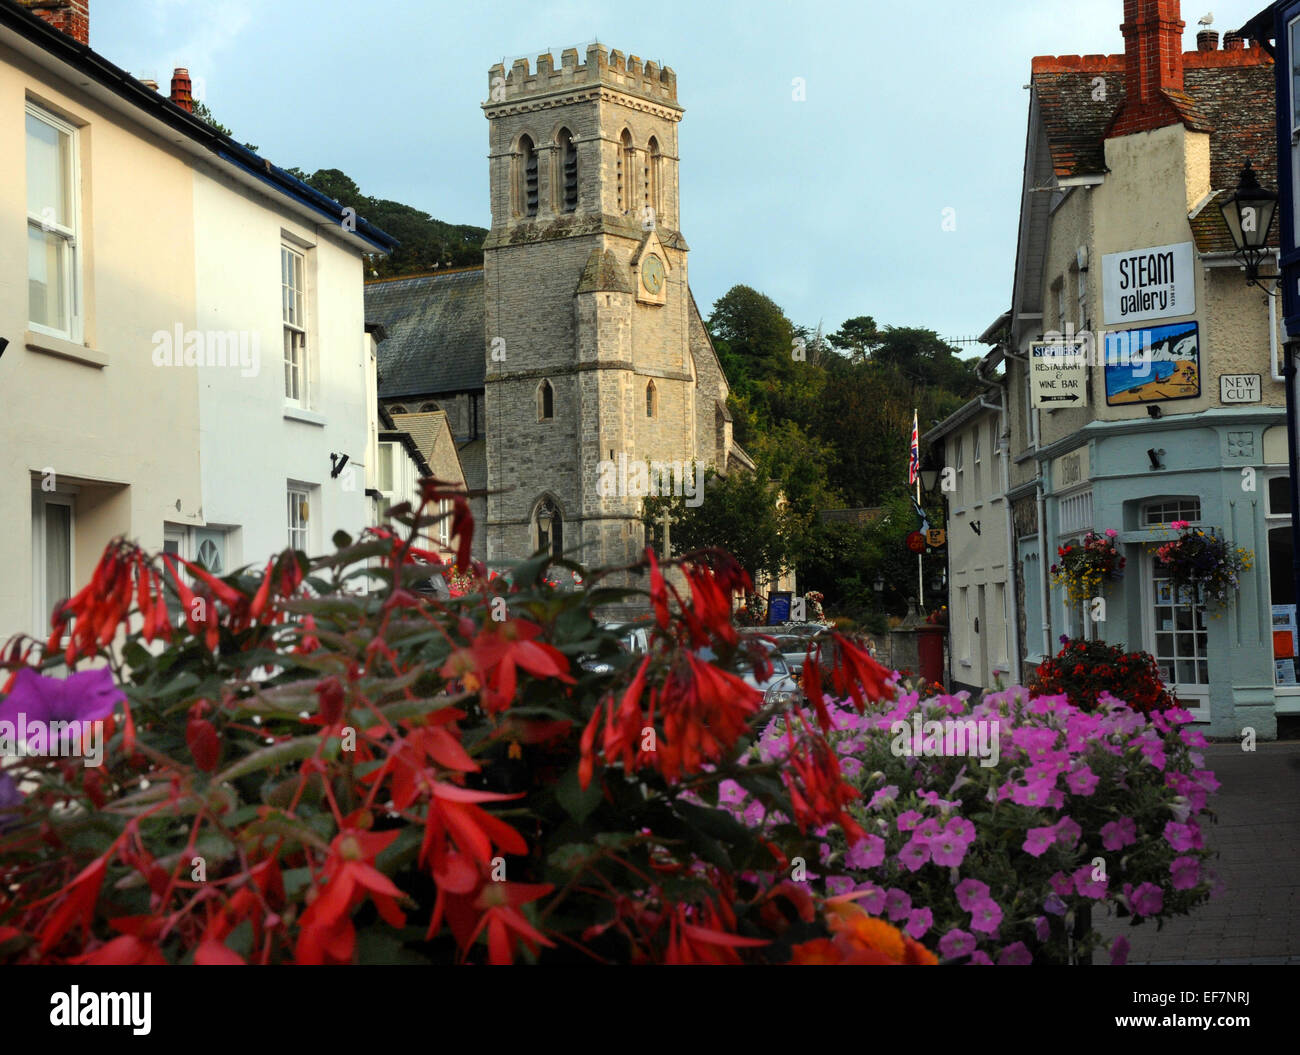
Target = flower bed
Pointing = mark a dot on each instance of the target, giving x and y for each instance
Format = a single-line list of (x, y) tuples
[(1008, 863), (1085, 670)]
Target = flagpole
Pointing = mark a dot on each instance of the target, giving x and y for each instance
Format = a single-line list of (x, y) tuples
[(920, 572), (914, 471)]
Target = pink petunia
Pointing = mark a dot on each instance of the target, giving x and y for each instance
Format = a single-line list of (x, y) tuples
[(1183, 836), (1119, 951), (1036, 793), (898, 904), (986, 916), (1015, 955), (1146, 899), (956, 943), (1186, 872), (1039, 840), (914, 854), (1081, 781), (908, 819), (1067, 831), (885, 794), (1087, 886), (970, 892), (867, 852), (1118, 834), (919, 921)]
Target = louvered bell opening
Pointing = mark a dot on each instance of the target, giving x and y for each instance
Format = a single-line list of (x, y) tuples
[(570, 176), (530, 183)]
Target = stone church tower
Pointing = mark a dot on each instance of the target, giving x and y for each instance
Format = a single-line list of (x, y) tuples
[(595, 352)]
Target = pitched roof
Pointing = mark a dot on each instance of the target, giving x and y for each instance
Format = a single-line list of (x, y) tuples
[(432, 436), (1228, 93), (435, 343), (473, 462)]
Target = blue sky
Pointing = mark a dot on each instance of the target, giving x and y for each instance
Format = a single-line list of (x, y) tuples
[(833, 206)]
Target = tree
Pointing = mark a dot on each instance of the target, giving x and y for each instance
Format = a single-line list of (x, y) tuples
[(857, 337)]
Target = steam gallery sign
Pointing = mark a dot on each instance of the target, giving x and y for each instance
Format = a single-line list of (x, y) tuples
[(1155, 283)]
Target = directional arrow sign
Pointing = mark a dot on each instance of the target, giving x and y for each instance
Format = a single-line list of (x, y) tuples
[(1059, 374)]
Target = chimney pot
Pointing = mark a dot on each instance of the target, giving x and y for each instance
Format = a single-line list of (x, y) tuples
[(69, 16), (1207, 40), (181, 89), (152, 85), (1233, 41)]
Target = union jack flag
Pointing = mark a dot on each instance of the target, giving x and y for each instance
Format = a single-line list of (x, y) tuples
[(914, 458)]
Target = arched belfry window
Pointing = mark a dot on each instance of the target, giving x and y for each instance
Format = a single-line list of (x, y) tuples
[(568, 181), (626, 167), (525, 181), (651, 400), (545, 401), (653, 159), (549, 528)]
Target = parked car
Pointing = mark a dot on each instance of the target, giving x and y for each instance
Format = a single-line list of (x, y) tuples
[(634, 638), (781, 687)]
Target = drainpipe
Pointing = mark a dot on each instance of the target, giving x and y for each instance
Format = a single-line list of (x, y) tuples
[(1004, 451)]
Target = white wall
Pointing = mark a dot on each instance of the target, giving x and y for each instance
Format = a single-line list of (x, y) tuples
[(252, 445)]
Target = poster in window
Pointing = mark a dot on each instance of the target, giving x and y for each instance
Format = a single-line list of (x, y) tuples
[(1285, 671), (1153, 365), (1284, 643)]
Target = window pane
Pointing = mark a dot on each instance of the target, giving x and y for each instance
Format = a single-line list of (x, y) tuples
[(48, 160), (46, 296), (1279, 495), (58, 555), (385, 467)]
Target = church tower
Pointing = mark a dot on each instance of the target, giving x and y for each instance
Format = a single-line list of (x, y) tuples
[(589, 320)]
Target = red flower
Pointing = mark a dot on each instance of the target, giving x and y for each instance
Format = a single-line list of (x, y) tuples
[(204, 745), (506, 926), (137, 945), (494, 658), (326, 933), (78, 904)]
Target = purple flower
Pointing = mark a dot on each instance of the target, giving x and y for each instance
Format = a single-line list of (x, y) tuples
[(872, 899), (970, 892), (1086, 885), (956, 943), (1183, 836), (867, 852), (836, 885), (986, 916), (1081, 781), (929, 828), (1118, 834), (1146, 900), (914, 854), (908, 819), (1032, 794), (1119, 951), (1067, 831), (86, 697), (961, 829), (1186, 872), (898, 904), (919, 921), (1042, 929), (979, 958), (886, 794), (10, 799), (1015, 955), (1054, 905), (1038, 840), (1061, 884), (946, 850)]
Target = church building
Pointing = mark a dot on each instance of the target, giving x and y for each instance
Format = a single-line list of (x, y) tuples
[(574, 367)]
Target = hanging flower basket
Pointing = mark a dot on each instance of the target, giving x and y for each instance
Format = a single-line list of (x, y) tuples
[(1203, 565), (1085, 569), (815, 611)]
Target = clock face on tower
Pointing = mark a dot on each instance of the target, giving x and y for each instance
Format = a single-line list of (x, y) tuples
[(652, 274)]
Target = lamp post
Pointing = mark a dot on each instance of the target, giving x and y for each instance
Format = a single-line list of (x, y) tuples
[(1248, 213)]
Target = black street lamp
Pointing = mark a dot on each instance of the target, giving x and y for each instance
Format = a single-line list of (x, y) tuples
[(1248, 212)]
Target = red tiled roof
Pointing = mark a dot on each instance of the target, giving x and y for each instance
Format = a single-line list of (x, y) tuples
[(1226, 93)]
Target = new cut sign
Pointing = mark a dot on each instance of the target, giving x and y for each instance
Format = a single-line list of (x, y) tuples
[(1058, 374)]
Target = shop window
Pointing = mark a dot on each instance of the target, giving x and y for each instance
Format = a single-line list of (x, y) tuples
[(1158, 514)]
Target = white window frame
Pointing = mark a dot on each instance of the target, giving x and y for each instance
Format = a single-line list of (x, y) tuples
[(294, 524), (386, 493), (40, 588), (294, 317), (72, 266)]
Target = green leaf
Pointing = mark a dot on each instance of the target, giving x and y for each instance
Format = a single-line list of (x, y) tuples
[(276, 755), (385, 947), (577, 803), (341, 539)]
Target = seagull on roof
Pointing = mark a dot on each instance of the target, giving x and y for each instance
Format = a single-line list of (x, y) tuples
[(1206, 19)]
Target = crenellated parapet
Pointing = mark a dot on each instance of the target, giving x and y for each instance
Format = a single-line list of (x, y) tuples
[(627, 74)]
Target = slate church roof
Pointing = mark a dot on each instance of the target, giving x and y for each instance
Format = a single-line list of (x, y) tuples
[(435, 343)]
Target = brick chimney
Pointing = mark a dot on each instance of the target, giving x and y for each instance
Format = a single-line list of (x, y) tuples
[(1233, 41), (70, 16), (181, 89), (1153, 68)]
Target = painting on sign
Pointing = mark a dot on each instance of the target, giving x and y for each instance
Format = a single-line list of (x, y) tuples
[(1154, 283), (1155, 365)]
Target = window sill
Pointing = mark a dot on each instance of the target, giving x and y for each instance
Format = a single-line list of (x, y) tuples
[(64, 349), (966, 663), (309, 417)]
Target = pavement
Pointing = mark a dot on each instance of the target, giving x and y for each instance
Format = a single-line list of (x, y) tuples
[(1255, 917)]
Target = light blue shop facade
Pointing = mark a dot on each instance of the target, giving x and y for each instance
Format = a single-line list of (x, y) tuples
[(1223, 470)]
